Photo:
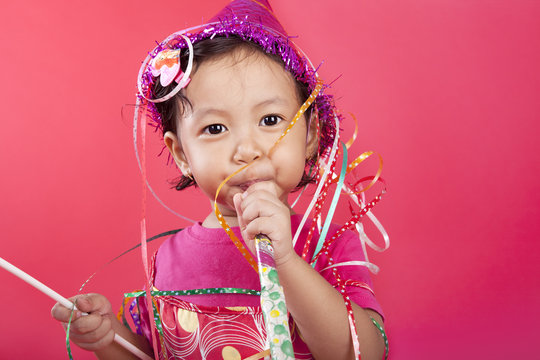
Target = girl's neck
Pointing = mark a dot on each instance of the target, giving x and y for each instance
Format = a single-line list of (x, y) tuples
[(211, 221)]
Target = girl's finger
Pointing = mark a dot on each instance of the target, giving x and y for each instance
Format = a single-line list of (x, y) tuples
[(87, 324), (91, 333), (62, 313), (107, 339), (260, 226), (259, 208), (237, 200), (262, 185), (90, 303), (254, 197)]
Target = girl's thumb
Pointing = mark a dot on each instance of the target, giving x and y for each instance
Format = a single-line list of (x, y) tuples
[(237, 200), (83, 303)]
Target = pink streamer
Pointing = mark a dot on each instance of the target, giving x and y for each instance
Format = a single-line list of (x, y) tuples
[(144, 249)]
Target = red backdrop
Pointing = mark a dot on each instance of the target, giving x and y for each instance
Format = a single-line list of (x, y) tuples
[(447, 91)]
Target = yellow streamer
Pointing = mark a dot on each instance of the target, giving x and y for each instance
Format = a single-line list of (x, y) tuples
[(259, 355), (357, 162)]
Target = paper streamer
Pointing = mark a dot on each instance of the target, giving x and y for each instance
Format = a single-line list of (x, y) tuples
[(273, 302), (322, 182), (333, 205), (144, 250)]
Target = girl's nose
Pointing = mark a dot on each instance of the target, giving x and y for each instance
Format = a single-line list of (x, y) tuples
[(248, 149)]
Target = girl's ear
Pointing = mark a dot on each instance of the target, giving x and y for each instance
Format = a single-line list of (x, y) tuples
[(312, 143), (173, 144)]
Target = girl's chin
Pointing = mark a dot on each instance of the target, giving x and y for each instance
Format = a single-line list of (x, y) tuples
[(227, 210), (211, 220)]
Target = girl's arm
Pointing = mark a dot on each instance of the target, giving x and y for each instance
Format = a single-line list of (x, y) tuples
[(317, 308), (95, 331), (321, 317)]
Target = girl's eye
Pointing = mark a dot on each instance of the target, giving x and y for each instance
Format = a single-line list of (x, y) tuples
[(270, 120), (215, 129)]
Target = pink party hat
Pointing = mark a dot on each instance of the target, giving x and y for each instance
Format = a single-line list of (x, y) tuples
[(254, 11)]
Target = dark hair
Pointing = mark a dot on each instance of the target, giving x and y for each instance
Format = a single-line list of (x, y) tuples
[(210, 49)]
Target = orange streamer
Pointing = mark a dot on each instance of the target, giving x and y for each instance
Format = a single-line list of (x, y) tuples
[(357, 162), (245, 253), (349, 143)]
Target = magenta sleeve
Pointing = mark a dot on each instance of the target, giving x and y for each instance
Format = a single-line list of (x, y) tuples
[(356, 277)]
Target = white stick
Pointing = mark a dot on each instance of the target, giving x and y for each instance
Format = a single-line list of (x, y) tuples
[(65, 302)]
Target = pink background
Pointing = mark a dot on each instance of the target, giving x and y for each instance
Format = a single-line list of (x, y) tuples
[(446, 90)]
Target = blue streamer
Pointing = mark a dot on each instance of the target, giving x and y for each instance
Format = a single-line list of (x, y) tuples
[(333, 205)]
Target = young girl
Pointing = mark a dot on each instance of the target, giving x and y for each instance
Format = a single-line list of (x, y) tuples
[(227, 97)]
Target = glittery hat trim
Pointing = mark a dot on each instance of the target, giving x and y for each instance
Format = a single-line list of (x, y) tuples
[(271, 41)]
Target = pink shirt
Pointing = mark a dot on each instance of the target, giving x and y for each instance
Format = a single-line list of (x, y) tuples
[(199, 257)]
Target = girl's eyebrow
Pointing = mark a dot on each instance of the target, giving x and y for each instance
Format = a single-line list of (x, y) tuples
[(276, 100), (208, 110)]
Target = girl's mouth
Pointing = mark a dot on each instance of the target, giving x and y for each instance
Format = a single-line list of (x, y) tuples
[(246, 184)]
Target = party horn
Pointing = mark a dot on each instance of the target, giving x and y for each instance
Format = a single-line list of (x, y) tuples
[(273, 302)]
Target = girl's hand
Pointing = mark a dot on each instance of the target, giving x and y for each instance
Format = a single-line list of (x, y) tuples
[(90, 332), (260, 211)]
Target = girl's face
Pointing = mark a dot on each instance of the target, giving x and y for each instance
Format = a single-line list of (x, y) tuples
[(241, 104)]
